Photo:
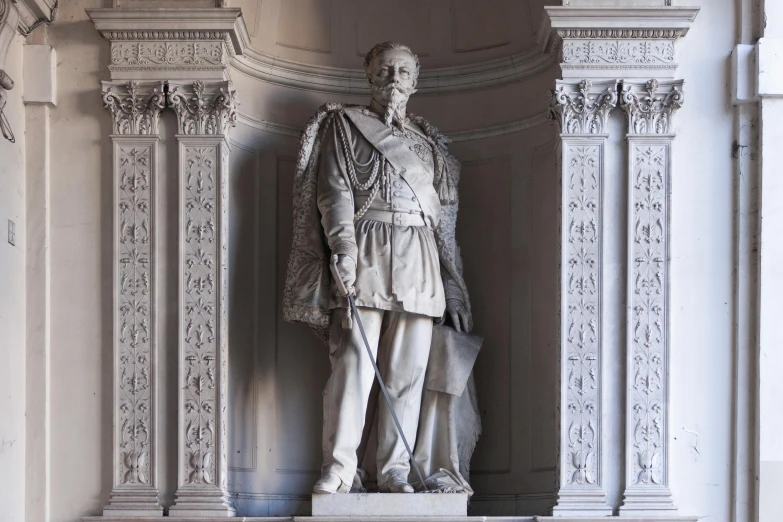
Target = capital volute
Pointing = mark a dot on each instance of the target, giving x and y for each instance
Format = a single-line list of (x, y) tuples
[(134, 106), (584, 107), (650, 106), (203, 108)]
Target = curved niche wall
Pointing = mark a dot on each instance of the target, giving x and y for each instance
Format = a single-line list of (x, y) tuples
[(485, 81)]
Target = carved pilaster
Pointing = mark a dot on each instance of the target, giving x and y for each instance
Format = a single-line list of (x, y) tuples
[(582, 112), (205, 113), (649, 107), (135, 109)]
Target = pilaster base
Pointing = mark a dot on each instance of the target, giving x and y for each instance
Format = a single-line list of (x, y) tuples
[(585, 502), (648, 502), (212, 502), (140, 502)]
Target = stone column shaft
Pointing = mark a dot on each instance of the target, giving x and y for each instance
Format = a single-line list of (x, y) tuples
[(135, 108), (205, 112), (649, 108), (582, 110)]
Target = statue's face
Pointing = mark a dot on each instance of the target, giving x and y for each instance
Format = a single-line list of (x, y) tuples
[(393, 77)]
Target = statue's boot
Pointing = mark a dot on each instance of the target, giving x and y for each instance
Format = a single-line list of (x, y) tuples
[(396, 484), (330, 483)]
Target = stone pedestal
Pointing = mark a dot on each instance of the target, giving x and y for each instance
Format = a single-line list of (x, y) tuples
[(359, 506)]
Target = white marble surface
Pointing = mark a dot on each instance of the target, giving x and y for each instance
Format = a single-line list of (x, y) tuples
[(390, 504)]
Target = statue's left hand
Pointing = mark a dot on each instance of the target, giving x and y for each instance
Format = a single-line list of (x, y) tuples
[(460, 316)]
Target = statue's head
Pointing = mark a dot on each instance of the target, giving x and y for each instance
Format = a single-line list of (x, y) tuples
[(392, 71)]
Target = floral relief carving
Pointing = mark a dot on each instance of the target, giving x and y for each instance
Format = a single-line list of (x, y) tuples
[(203, 108), (578, 109), (200, 318), (650, 107), (167, 53), (582, 313), (648, 312), (620, 52), (134, 106), (134, 314)]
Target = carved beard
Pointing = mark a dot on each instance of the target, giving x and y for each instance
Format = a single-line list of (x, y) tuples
[(396, 97)]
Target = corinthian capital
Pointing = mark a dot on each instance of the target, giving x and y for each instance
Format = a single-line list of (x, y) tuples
[(135, 106), (203, 108), (650, 106), (583, 108)]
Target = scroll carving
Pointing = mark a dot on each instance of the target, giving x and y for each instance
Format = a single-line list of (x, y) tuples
[(134, 106), (618, 52), (134, 314), (168, 54), (579, 109), (582, 313), (650, 107), (204, 109), (649, 316), (200, 317)]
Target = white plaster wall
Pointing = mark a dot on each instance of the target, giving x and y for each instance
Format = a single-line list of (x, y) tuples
[(12, 299), (702, 269)]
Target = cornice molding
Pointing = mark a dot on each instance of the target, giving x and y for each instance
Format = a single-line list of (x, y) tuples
[(619, 22), (444, 80)]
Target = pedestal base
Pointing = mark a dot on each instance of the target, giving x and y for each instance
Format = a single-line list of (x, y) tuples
[(350, 506), (133, 502), (211, 502)]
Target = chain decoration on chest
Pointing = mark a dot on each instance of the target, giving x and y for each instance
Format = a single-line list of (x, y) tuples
[(379, 178)]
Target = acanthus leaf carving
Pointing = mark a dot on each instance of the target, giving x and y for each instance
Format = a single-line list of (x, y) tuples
[(582, 296), (134, 314), (618, 52), (168, 54), (583, 108), (134, 106), (203, 108), (650, 107), (649, 317)]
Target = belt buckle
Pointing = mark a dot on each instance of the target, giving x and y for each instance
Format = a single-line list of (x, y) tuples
[(398, 219)]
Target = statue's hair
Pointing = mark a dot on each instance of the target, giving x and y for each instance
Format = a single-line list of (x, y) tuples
[(386, 46)]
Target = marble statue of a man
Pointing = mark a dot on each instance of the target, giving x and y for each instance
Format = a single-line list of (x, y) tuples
[(377, 188)]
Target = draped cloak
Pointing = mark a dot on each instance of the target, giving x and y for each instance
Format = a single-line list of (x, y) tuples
[(449, 423)]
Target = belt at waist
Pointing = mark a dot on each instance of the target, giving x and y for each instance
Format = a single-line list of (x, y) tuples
[(402, 219)]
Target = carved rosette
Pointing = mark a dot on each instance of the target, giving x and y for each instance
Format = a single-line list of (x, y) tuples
[(583, 108), (650, 106), (203, 108), (135, 106), (134, 314)]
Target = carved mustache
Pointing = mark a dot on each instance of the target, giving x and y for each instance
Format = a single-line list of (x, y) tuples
[(389, 89)]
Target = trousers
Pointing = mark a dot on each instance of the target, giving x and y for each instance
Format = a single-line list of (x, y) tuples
[(400, 342)]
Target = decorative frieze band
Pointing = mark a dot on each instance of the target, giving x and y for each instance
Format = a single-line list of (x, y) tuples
[(203, 108), (649, 107), (618, 52), (134, 106), (582, 110), (168, 54)]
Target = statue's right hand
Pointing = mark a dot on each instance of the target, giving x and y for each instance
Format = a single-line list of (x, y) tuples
[(346, 272)]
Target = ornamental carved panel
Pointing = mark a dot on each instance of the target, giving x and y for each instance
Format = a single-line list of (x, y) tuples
[(582, 309), (167, 54), (201, 384), (134, 314), (618, 52), (649, 315)]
